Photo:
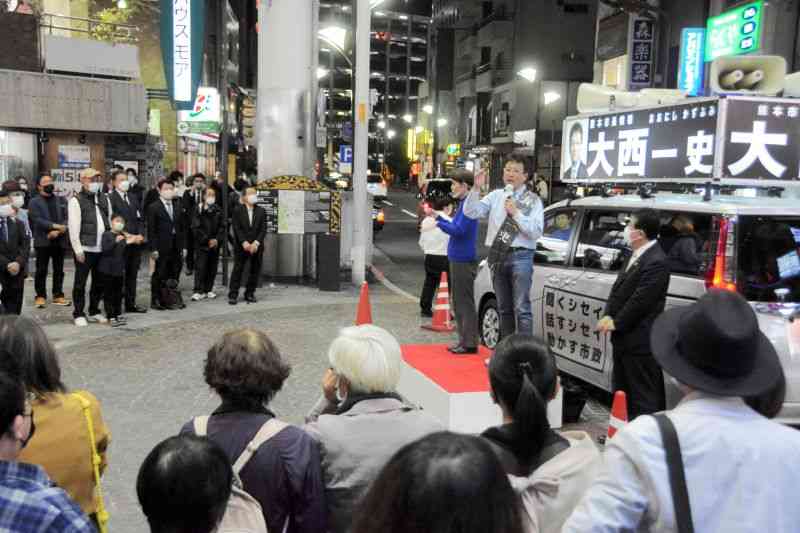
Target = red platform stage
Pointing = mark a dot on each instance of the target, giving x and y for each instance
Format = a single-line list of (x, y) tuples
[(455, 388)]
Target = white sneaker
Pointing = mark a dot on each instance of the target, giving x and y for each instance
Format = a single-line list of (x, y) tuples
[(81, 322), (196, 297), (211, 295), (98, 319)]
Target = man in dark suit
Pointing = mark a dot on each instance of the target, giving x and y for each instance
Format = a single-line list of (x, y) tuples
[(576, 141), (126, 205), (48, 218), (192, 200), (14, 248), (165, 233), (249, 229), (638, 296)]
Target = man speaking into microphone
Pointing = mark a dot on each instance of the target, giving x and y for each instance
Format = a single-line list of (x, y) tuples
[(516, 221)]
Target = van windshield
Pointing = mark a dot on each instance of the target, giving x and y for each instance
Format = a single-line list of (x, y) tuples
[(769, 258)]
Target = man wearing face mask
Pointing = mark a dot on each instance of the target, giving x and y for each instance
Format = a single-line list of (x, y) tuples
[(209, 234), (637, 297), (29, 501), (136, 191), (165, 233), (192, 202), (14, 248), (126, 205), (48, 217), (89, 214), (249, 229)]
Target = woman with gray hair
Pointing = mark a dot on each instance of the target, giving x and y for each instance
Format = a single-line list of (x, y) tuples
[(361, 421)]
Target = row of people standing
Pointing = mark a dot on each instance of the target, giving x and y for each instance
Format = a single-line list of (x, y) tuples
[(174, 223)]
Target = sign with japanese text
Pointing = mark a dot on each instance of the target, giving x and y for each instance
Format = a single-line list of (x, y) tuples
[(734, 32), (74, 156), (182, 45), (674, 141), (205, 116), (569, 328), (641, 52), (691, 70), (762, 139)]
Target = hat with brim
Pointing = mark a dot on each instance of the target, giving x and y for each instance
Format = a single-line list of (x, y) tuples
[(715, 345), (89, 173)]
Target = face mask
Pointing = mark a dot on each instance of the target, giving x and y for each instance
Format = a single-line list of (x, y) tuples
[(180, 189), (132, 179), (6, 210), (17, 201), (168, 194), (24, 442), (210, 200), (252, 199), (200, 186), (95, 187), (125, 186), (119, 226), (23, 186), (49, 189), (627, 235)]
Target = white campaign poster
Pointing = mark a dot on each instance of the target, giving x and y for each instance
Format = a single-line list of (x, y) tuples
[(291, 212)]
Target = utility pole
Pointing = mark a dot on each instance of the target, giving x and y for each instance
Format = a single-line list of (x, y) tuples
[(360, 144), (222, 151)]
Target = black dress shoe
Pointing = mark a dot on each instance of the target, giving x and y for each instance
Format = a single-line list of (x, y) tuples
[(135, 309), (462, 350), (250, 299), (157, 306), (232, 301), (426, 314), (453, 347)]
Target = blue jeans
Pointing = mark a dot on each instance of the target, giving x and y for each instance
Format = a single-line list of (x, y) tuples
[(512, 285)]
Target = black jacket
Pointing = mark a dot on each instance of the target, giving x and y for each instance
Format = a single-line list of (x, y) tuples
[(112, 260), (164, 234), (501, 440), (246, 232), (233, 197), (15, 249), (684, 255), (207, 225), (42, 223), (131, 211), (637, 298)]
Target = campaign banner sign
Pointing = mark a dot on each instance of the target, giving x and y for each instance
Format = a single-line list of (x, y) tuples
[(675, 141), (570, 320), (691, 70), (762, 138)]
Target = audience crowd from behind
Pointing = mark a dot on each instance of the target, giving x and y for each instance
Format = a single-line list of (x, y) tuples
[(62, 447)]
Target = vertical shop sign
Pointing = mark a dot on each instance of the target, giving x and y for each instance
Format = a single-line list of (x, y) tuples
[(734, 32), (641, 52), (182, 42), (691, 71)]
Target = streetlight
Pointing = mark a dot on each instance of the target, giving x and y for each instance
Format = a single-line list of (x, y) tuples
[(321, 72), (391, 134), (408, 118), (551, 97), (419, 129), (428, 108), (528, 73), (336, 35), (382, 124), (442, 122)]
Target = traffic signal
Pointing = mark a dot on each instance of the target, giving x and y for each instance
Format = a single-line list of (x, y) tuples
[(749, 75)]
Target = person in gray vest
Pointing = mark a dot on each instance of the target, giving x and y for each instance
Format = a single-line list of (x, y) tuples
[(88, 218)]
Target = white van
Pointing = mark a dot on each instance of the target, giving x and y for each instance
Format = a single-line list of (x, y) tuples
[(747, 244)]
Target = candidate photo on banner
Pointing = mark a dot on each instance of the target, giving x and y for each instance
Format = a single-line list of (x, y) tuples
[(573, 158)]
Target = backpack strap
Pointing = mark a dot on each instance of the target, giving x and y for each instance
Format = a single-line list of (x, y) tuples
[(677, 477), (271, 427), (201, 425)]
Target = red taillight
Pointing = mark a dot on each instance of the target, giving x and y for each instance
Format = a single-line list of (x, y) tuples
[(721, 273)]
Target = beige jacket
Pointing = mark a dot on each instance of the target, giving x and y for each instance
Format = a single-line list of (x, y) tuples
[(553, 490)]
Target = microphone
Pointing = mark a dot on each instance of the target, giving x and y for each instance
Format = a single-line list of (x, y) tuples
[(509, 191)]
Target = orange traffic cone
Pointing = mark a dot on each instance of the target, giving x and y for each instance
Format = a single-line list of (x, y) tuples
[(441, 310), (364, 312), (619, 413)]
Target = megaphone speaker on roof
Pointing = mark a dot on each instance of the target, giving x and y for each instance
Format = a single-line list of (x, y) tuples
[(748, 75), (595, 98), (792, 85)]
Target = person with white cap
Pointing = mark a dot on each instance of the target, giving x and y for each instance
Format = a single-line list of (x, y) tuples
[(88, 216), (711, 464)]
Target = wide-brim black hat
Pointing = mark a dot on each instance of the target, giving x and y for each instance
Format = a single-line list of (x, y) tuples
[(715, 345)]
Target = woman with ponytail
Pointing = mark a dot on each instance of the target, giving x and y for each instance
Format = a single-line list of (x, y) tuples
[(549, 470)]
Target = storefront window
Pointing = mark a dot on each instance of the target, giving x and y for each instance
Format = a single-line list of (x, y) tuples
[(17, 155)]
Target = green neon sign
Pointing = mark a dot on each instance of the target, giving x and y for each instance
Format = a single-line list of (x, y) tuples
[(734, 32)]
